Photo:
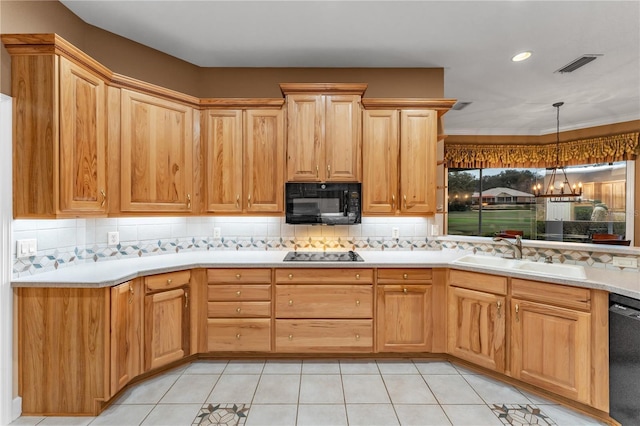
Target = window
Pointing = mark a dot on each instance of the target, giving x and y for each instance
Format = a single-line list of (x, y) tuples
[(488, 202)]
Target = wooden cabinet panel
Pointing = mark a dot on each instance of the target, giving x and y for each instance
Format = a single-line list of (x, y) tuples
[(551, 348), (324, 335), (403, 318), (127, 304), (263, 161), (239, 309), (239, 276), (239, 335), (305, 138), (156, 154), (380, 149), (418, 137), (397, 276), (553, 294), (324, 301), (477, 327), (231, 292), (167, 281), (166, 332), (342, 138), (478, 281), (223, 147), (324, 275)]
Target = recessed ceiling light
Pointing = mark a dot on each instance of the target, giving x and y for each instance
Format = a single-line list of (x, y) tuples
[(521, 56)]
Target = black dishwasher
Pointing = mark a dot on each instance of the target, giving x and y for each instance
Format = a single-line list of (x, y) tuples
[(624, 359)]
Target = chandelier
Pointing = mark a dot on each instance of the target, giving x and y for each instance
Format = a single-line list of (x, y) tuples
[(564, 192)]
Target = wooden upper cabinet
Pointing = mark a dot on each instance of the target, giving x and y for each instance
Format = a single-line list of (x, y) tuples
[(59, 154), (418, 139), (156, 154), (380, 161), (323, 135), (244, 160)]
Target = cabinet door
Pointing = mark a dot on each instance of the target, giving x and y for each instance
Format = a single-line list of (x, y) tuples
[(305, 138), (82, 141), (404, 318), (166, 327), (550, 348), (156, 160), (418, 140), (380, 161), (126, 333), (342, 138), (223, 147), (263, 161), (477, 327)]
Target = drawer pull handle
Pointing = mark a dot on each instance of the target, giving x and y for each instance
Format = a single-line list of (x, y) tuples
[(393, 202), (357, 337), (405, 201), (357, 303), (291, 337), (237, 201), (104, 197), (238, 276), (238, 293), (517, 312), (188, 201), (249, 201), (186, 299), (328, 170), (317, 172), (290, 276), (238, 336), (290, 302), (404, 290), (499, 305), (130, 294), (238, 310), (357, 276), (169, 281), (405, 276)]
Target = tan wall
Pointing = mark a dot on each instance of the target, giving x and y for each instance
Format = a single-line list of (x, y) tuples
[(132, 59)]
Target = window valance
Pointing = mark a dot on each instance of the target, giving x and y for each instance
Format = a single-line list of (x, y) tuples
[(583, 151)]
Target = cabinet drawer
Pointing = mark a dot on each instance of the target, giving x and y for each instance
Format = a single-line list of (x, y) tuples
[(552, 294), (167, 281), (240, 275), (324, 335), (324, 301), (226, 292), (324, 275), (477, 281), (403, 274), (239, 335), (238, 309)]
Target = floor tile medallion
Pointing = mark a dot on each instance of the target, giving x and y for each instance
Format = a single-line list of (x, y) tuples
[(521, 415), (222, 415)]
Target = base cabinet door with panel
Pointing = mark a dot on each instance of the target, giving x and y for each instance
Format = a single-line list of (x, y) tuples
[(239, 310), (403, 315), (167, 318)]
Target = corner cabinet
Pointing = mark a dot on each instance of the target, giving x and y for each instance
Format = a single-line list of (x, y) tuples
[(244, 152), (324, 142), (399, 155), (156, 154), (59, 154)]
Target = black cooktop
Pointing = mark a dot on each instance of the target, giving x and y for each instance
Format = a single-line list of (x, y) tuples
[(323, 256)]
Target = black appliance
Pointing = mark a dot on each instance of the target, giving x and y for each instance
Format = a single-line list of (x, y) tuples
[(624, 359), (323, 203), (323, 256)]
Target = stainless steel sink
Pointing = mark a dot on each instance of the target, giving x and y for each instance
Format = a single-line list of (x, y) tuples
[(526, 266)]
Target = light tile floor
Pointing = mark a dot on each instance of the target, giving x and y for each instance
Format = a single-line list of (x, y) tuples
[(324, 392)]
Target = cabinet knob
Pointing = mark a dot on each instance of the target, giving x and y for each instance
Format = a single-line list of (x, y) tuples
[(130, 294), (317, 171), (237, 201), (328, 170), (404, 290), (357, 303), (238, 293), (517, 313), (499, 305), (238, 310), (238, 276), (357, 276), (291, 337), (104, 197), (357, 337), (290, 276), (169, 281), (405, 276), (238, 336), (290, 302), (186, 299)]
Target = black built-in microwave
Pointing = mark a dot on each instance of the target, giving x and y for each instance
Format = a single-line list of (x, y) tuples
[(323, 203)]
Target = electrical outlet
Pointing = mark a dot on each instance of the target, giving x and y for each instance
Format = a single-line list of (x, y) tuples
[(26, 248), (113, 238), (435, 230), (625, 262), (395, 232), (216, 232)]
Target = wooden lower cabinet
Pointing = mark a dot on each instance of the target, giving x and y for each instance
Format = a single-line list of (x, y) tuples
[(127, 338), (321, 335), (246, 334), (403, 318)]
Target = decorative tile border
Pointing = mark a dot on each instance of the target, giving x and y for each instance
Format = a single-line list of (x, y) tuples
[(53, 259), (222, 415), (521, 415)]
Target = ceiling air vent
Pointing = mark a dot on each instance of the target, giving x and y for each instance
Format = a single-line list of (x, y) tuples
[(577, 63), (460, 106)]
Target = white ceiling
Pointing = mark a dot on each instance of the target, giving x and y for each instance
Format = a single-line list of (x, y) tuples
[(472, 40)]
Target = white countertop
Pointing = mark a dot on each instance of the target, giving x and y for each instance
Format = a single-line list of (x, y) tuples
[(113, 272)]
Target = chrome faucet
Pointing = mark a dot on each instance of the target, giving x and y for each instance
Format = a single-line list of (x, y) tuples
[(517, 245)]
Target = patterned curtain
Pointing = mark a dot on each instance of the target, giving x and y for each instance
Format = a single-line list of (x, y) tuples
[(583, 151)]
